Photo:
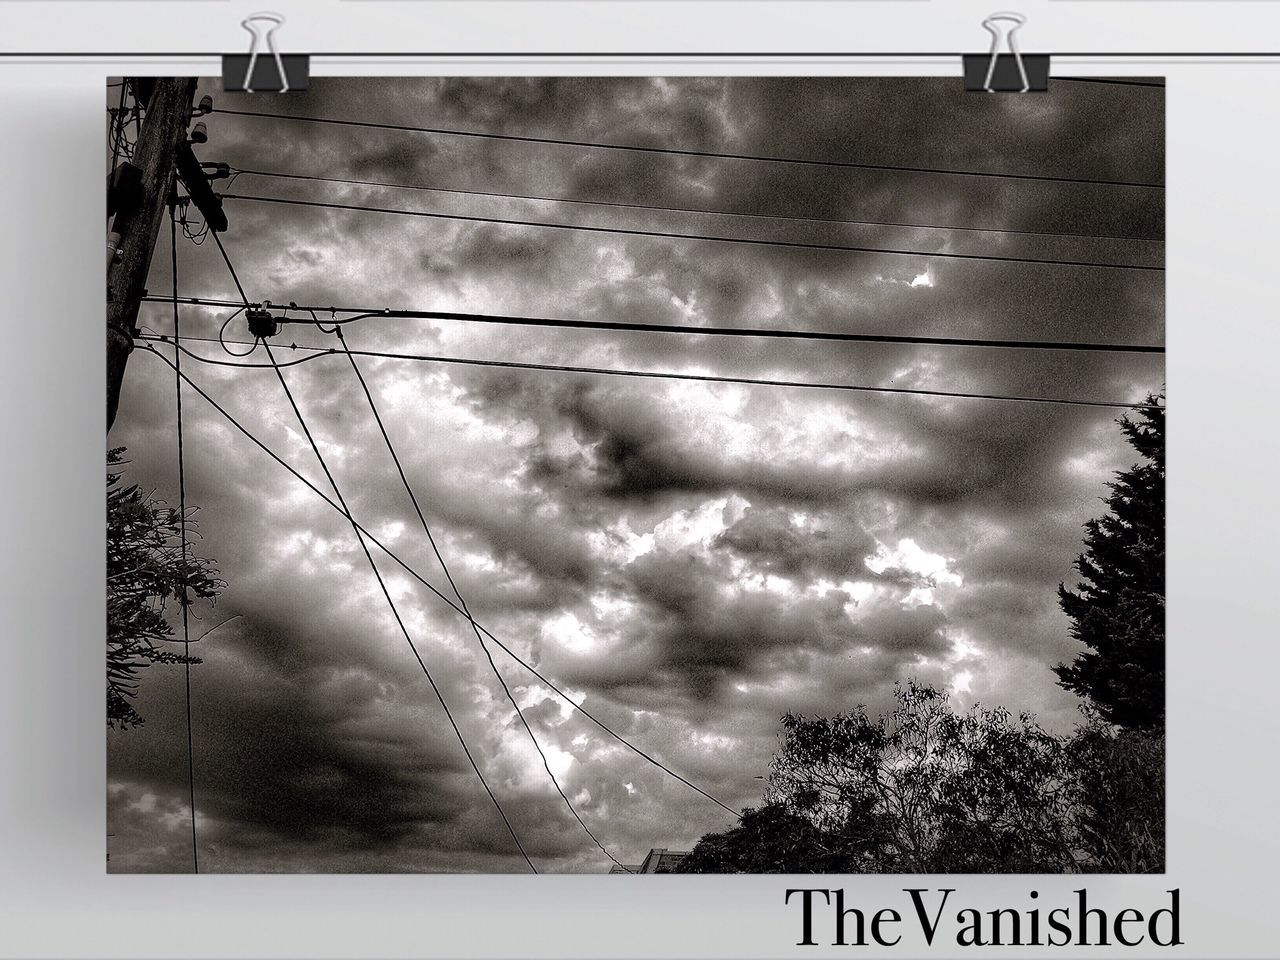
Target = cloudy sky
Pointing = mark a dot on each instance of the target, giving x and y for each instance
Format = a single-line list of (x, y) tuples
[(688, 560)]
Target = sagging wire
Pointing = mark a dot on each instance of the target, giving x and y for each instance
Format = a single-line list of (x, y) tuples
[(334, 327), (417, 576), (257, 313), (198, 237), (391, 604), (222, 334), (493, 666)]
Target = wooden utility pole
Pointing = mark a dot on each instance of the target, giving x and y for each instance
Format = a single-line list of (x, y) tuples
[(164, 130)]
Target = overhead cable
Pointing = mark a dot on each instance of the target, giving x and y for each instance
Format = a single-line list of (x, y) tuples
[(342, 504), (184, 600), (358, 314), (322, 352), (681, 152), (426, 527), (696, 237), (702, 211), (550, 684)]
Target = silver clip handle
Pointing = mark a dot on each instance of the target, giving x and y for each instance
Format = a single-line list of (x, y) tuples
[(262, 26), (1005, 26)]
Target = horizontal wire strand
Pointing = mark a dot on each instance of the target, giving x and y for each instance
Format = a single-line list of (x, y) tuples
[(323, 352), (363, 313), (1011, 231), (695, 237), (674, 151)]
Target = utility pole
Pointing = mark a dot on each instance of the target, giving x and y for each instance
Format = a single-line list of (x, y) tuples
[(164, 131)]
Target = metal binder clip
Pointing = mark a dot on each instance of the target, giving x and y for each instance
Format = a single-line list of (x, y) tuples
[(292, 71), (1005, 26), (1011, 72), (262, 26)]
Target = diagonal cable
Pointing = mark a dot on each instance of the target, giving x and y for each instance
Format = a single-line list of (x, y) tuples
[(395, 612), (551, 684), (426, 527), (231, 269), (342, 504)]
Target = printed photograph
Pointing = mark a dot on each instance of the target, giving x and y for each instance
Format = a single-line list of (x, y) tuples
[(634, 475)]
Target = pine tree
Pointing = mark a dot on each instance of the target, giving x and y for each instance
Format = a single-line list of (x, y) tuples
[(1117, 609)]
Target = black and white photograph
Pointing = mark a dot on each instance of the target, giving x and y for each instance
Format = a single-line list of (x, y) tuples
[(636, 474)]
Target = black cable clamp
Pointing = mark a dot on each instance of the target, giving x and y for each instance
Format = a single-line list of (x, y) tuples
[(261, 322)]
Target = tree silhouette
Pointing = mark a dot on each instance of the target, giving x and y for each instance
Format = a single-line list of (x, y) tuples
[(1117, 609), (771, 839), (145, 569), (927, 789), (1120, 797), (921, 789)]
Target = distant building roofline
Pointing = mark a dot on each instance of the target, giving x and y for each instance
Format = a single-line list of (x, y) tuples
[(658, 860)]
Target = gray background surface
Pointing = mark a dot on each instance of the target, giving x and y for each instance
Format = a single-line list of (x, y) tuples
[(55, 898)]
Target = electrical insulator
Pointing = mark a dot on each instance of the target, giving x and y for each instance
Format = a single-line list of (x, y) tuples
[(216, 171), (113, 247), (261, 323), (200, 133)]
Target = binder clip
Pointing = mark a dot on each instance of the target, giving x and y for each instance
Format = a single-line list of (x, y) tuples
[(274, 73), (1012, 72)]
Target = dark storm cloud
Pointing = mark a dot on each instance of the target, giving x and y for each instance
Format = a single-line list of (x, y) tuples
[(687, 560), (835, 548), (705, 633), (631, 450)]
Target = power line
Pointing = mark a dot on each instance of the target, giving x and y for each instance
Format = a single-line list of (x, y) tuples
[(673, 151), (676, 209), (322, 352), (426, 583), (378, 574), (184, 601), (396, 613), (702, 238), (426, 527), (363, 313), (231, 268), (1112, 81)]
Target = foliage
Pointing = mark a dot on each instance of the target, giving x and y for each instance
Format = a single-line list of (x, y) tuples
[(1121, 813), (145, 569), (771, 839), (925, 789), (1117, 609)]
